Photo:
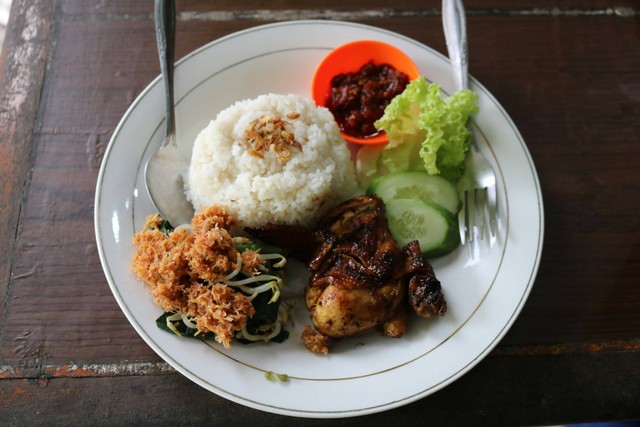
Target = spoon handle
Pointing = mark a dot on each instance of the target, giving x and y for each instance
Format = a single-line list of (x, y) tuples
[(455, 34), (165, 18)]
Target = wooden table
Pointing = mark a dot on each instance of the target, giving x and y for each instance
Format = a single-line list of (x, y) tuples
[(568, 73)]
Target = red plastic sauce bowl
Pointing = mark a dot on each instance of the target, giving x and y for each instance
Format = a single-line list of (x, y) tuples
[(351, 57)]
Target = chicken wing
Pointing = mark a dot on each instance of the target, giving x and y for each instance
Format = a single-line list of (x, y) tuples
[(424, 290)]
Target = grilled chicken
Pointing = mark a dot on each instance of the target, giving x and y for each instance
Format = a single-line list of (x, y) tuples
[(423, 289), (360, 279), (357, 273)]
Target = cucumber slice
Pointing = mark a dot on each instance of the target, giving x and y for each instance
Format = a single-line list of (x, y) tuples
[(435, 228), (417, 184)]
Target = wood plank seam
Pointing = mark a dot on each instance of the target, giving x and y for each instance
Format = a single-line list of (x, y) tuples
[(297, 14), (270, 15), (36, 369), (86, 370)]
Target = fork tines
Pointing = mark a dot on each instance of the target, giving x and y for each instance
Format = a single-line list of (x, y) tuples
[(479, 214)]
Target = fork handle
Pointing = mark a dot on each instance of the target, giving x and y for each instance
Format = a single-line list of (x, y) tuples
[(455, 34)]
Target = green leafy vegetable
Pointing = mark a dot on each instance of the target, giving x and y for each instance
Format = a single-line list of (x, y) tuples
[(178, 325), (427, 132), (266, 314), (165, 227), (266, 303), (244, 243)]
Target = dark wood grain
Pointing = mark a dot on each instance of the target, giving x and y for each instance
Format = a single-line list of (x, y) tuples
[(318, 8), (505, 390), (21, 80), (567, 72)]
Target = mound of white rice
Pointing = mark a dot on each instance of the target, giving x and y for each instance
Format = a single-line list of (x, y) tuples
[(258, 189)]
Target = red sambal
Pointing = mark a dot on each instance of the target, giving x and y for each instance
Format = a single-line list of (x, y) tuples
[(358, 99)]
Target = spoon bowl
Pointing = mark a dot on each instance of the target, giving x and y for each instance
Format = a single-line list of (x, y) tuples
[(164, 170)]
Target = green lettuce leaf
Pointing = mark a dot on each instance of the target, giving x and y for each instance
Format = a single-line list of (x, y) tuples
[(427, 132)]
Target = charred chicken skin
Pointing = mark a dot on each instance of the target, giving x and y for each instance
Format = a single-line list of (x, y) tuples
[(424, 291), (360, 279), (357, 272)]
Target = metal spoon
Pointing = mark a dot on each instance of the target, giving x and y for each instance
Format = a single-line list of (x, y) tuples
[(163, 172)]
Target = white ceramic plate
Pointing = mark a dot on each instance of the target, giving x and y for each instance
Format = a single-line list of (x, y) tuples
[(362, 375)]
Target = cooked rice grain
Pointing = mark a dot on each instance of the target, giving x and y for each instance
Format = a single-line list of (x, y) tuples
[(316, 173)]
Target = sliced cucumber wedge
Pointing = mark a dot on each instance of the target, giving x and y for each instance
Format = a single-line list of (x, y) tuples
[(435, 228), (417, 184)]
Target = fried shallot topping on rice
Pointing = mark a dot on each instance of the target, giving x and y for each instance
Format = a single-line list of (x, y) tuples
[(272, 134), (186, 269)]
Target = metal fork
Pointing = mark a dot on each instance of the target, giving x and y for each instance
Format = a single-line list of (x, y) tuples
[(478, 184)]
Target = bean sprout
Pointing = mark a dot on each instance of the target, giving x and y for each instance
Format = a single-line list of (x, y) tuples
[(235, 272), (174, 318), (251, 286), (254, 279), (275, 327), (253, 292), (188, 323), (278, 264)]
